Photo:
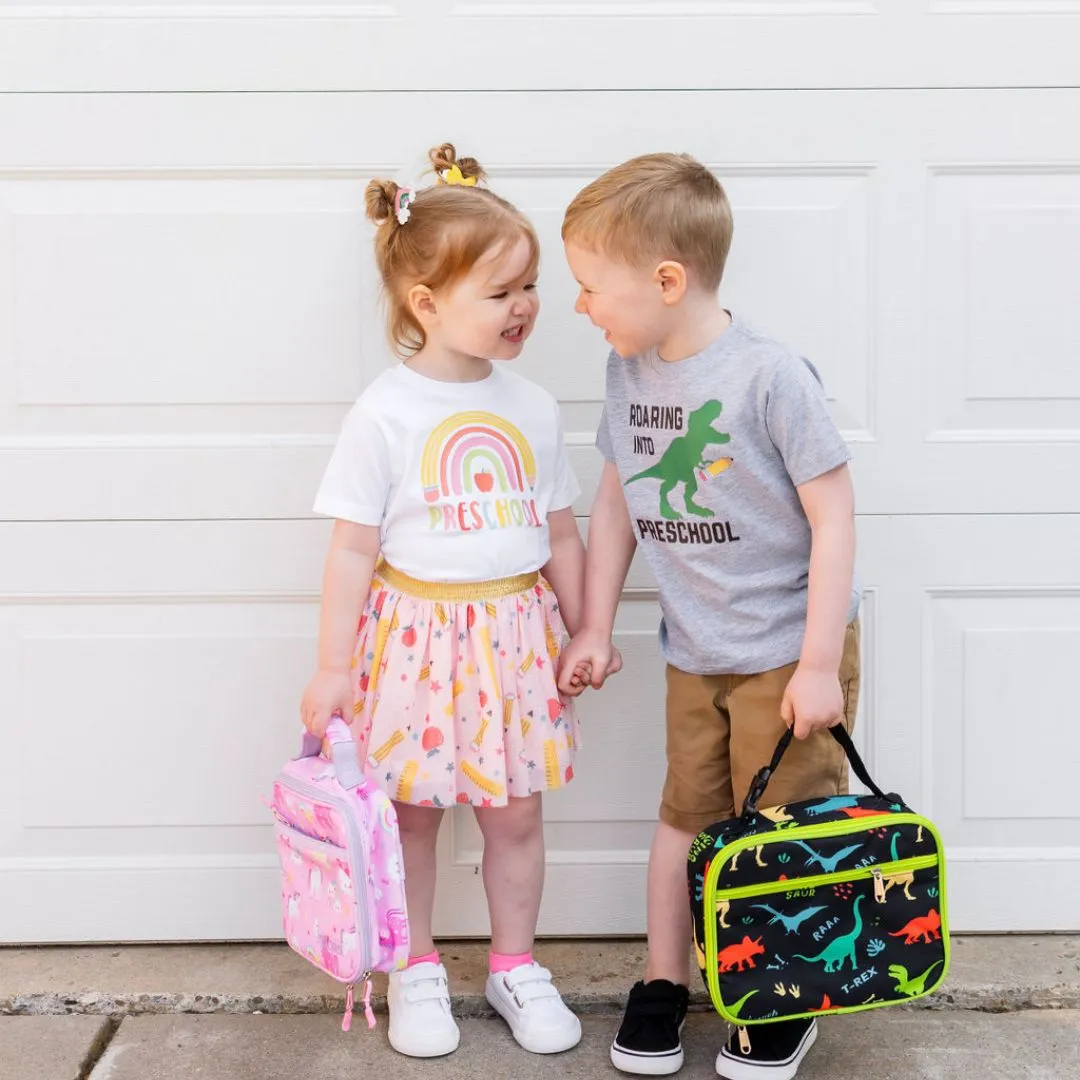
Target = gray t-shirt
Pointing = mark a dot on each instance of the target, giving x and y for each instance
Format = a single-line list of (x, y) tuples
[(710, 450)]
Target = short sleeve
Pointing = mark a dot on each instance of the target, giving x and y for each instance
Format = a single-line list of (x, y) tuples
[(356, 484), (603, 438), (799, 424), (567, 488)]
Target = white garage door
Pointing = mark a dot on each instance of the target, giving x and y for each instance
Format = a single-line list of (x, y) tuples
[(186, 311)]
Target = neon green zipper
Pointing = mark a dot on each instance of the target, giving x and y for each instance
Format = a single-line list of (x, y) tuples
[(887, 870)]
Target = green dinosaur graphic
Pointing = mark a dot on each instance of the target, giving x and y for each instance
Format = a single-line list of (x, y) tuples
[(911, 987), (681, 460), (735, 1011), (839, 949)]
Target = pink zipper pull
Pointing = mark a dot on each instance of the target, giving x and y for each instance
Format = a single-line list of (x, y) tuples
[(368, 1012), (346, 1020)]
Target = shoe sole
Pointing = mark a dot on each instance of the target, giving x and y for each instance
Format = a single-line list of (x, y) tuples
[(639, 1064), (629, 1061), (534, 1046), (731, 1068)]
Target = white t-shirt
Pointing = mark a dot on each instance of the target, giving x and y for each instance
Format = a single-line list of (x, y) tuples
[(460, 477)]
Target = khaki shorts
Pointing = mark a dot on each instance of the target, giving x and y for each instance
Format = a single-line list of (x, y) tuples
[(721, 729)]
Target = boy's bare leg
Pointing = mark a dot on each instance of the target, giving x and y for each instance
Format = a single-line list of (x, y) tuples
[(668, 907)]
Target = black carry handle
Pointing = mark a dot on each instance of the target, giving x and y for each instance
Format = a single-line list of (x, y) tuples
[(839, 733)]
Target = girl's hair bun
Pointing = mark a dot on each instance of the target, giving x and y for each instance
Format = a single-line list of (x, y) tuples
[(380, 197), (445, 157)]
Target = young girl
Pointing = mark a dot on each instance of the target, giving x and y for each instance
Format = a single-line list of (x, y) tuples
[(454, 572)]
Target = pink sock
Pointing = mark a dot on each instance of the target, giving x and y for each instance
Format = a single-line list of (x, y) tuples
[(430, 958), (498, 962)]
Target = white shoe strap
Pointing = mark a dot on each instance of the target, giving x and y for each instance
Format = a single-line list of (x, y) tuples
[(432, 991), (530, 983)]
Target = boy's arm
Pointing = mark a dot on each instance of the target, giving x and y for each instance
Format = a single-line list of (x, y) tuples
[(350, 563), (607, 562), (813, 698), (566, 567)]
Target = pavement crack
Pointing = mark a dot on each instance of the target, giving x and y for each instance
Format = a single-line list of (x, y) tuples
[(103, 1039)]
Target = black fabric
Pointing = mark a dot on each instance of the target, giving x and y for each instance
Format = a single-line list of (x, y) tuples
[(770, 1045), (654, 1013), (866, 932)]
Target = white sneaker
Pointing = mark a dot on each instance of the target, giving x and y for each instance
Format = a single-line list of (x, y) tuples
[(421, 1024), (526, 999)]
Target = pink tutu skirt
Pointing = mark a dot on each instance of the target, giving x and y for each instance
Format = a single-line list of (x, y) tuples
[(456, 699)]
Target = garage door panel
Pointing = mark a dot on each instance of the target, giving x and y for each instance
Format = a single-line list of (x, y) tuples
[(141, 45), (1003, 256), (1001, 674), (975, 647), (185, 294)]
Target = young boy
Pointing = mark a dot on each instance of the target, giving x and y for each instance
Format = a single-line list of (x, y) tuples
[(723, 465)]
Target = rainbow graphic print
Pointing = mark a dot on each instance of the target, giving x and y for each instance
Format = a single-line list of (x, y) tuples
[(478, 471)]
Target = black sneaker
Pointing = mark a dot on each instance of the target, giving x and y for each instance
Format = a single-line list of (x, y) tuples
[(648, 1040), (767, 1051)]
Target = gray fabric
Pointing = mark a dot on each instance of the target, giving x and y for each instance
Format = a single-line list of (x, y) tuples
[(730, 550)]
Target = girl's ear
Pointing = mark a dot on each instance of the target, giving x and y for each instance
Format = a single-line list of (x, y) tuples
[(421, 302)]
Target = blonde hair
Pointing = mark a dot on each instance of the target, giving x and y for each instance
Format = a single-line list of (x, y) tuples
[(658, 206), (449, 228)]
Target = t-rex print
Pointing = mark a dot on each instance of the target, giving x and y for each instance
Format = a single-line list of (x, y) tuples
[(910, 987), (741, 955), (907, 880), (926, 928), (841, 948), (828, 863), (684, 455), (723, 907), (791, 922), (733, 865)]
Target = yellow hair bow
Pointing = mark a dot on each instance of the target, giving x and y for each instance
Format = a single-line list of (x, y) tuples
[(453, 175)]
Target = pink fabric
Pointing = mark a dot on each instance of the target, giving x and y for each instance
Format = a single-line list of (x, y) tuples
[(427, 958), (342, 876), (457, 702), (498, 962)]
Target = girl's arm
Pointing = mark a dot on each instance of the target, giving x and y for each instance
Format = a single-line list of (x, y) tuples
[(813, 698), (566, 567), (350, 563)]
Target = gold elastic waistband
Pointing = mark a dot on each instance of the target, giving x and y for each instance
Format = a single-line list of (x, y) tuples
[(453, 592)]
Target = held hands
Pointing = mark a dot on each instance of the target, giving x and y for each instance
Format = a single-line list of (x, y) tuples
[(328, 692), (812, 701), (587, 661)]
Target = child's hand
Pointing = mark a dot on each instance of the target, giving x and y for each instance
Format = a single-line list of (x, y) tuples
[(587, 661), (812, 701), (581, 676), (328, 692), (616, 662)]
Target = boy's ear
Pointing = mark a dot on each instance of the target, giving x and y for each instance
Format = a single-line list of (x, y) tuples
[(671, 277)]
